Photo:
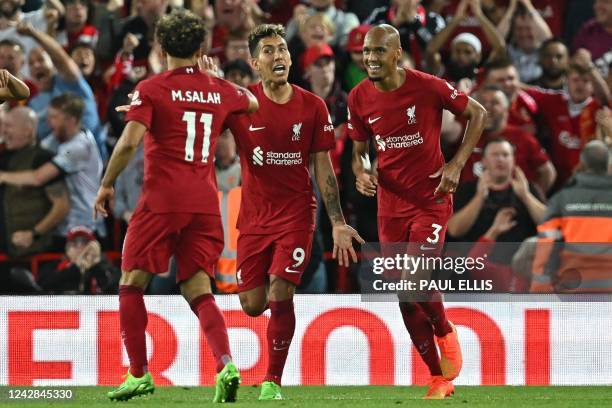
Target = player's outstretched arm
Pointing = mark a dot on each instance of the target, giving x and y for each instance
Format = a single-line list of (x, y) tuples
[(366, 182), (451, 171), (343, 234), (124, 151)]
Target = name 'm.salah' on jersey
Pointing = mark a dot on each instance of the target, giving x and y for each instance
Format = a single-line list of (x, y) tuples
[(405, 127), (275, 144), (183, 111)]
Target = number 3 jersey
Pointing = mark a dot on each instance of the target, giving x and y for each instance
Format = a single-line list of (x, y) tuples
[(183, 111), (405, 127), (275, 144)]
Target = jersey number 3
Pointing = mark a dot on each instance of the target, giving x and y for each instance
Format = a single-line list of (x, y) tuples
[(206, 119)]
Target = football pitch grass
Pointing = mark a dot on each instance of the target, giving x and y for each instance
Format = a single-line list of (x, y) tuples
[(349, 397)]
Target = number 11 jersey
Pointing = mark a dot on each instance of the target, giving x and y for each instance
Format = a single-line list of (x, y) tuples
[(183, 111)]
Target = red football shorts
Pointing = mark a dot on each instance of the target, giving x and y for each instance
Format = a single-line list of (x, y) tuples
[(425, 229), (285, 255), (195, 240)]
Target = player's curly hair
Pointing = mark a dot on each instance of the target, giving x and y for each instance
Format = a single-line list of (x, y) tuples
[(263, 31), (181, 33)]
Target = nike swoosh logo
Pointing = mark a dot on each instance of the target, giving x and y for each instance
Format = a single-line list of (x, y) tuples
[(291, 270), (279, 348), (252, 129), (424, 248), (370, 120)]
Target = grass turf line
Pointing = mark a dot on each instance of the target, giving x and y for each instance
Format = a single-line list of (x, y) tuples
[(349, 397)]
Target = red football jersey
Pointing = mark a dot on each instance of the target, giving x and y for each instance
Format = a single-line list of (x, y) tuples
[(529, 155), (184, 111), (405, 125), (275, 144), (568, 133)]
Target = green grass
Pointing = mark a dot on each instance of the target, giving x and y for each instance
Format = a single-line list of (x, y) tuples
[(349, 397)]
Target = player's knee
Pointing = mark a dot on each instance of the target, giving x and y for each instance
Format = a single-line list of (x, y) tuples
[(137, 278), (408, 307), (251, 307)]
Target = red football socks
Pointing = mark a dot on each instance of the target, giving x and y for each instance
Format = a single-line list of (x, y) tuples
[(437, 316), (213, 325), (133, 321), (422, 335), (280, 333)]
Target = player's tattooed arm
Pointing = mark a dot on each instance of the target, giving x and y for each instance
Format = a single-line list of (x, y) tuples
[(342, 233), (328, 186)]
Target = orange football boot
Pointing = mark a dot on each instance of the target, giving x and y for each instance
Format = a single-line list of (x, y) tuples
[(439, 388), (450, 354)]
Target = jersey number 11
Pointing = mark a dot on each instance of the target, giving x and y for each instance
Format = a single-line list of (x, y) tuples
[(206, 119)]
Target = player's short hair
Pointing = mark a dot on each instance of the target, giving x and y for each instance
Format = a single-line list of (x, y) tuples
[(493, 88), (7, 42), (181, 33), (496, 139), (70, 104), (263, 31)]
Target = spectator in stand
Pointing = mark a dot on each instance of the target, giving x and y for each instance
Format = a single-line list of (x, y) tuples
[(142, 27), (84, 56), (11, 16), (523, 109), (416, 26), (319, 69), (570, 117), (84, 269), (233, 16), (236, 46), (316, 28), (239, 72), (529, 31), (29, 215), (128, 187), (13, 60), (77, 26), (501, 206), (355, 71), (604, 126), (466, 49), (554, 60), (580, 213), (76, 156), (528, 153), (342, 21), (596, 36), (55, 73)]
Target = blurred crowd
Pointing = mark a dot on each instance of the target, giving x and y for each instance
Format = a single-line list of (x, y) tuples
[(541, 68)]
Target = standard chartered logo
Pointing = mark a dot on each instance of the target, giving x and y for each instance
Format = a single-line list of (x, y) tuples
[(380, 143), (398, 142), (258, 156), (275, 158)]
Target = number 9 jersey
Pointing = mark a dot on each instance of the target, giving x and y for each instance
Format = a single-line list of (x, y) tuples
[(183, 111)]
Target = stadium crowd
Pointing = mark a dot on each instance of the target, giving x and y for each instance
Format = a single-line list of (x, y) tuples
[(541, 68)]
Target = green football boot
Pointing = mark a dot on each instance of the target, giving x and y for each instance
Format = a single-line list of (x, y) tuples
[(227, 383), (270, 391), (132, 387)]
